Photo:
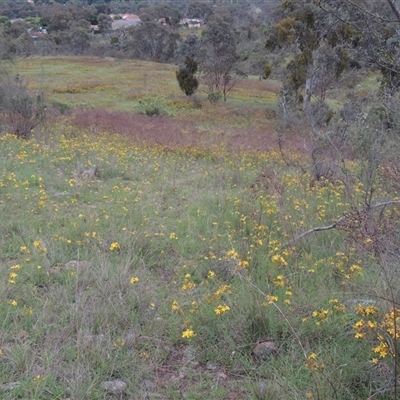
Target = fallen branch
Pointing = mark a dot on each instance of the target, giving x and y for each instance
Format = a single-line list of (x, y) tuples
[(337, 222)]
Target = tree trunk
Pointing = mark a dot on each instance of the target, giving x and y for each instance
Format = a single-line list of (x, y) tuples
[(308, 89)]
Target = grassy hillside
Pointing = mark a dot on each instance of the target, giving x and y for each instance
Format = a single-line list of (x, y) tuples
[(117, 85), (178, 271)]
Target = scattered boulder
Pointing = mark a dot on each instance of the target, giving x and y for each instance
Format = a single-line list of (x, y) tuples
[(8, 387), (221, 377), (90, 173), (264, 350), (114, 387)]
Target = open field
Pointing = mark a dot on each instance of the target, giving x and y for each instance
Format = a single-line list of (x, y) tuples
[(153, 252), (118, 85)]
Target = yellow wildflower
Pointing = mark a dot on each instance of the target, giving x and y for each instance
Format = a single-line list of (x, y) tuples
[(211, 275), (382, 350), (221, 309), (271, 299), (188, 334), (223, 289), (120, 342), (232, 254), (114, 246), (312, 356), (278, 259)]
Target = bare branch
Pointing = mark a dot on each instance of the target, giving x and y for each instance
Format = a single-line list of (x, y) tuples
[(337, 222), (394, 8)]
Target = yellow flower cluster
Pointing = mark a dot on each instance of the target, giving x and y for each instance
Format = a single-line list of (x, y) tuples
[(13, 274), (277, 259), (320, 316), (271, 299), (279, 281), (188, 333), (38, 245), (313, 365), (337, 306), (385, 329), (175, 306), (221, 309), (114, 246), (188, 284)]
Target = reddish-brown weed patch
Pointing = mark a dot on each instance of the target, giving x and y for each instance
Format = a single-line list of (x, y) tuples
[(170, 132)]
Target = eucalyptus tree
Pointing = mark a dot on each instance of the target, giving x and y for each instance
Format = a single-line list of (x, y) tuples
[(323, 39), (218, 59)]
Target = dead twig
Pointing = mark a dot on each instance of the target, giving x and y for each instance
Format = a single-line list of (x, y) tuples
[(337, 222)]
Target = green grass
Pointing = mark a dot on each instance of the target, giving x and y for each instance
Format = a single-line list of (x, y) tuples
[(114, 84), (164, 267)]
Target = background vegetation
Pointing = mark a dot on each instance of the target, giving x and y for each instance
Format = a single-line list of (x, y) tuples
[(161, 244)]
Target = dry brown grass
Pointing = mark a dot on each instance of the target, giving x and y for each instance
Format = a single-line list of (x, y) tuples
[(170, 132)]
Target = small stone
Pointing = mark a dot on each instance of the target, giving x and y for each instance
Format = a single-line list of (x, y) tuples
[(90, 173), (93, 339), (211, 365), (264, 349), (130, 338), (74, 264), (58, 194), (221, 377), (114, 387)]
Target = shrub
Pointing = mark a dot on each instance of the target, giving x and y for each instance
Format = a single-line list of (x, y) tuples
[(20, 110), (185, 76), (214, 97), (153, 106), (267, 71)]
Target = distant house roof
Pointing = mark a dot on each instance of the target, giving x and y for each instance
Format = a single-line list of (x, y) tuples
[(130, 17), (192, 22), (127, 20), (37, 33)]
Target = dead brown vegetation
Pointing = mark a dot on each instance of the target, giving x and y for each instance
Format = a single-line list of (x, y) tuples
[(170, 132)]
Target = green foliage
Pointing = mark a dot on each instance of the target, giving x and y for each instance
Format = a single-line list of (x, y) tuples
[(36, 21), (152, 41), (200, 10), (214, 97), (61, 106), (154, 262), (285, 30), (21, 110), (218, 59), (153, 106), (343, 61), (186, 78), (267, 71), (104, 23), (184, 255), (5, 21)]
